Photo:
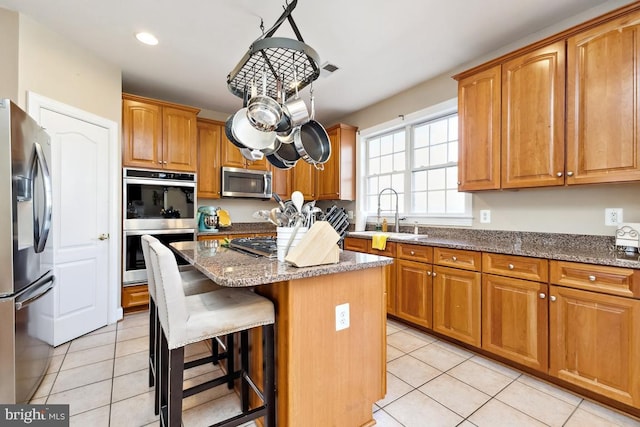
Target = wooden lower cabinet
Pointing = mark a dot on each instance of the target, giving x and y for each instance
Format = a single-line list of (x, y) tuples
[(514, 320), (135, 297), (595, 342), (414, 288), (456, 304)]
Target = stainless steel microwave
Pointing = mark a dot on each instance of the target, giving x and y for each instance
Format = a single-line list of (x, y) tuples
[(237, 182)]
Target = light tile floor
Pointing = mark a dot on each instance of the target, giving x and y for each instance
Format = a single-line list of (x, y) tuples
[(103, 376)]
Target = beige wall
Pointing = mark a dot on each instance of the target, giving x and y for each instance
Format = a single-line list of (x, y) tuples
[(576, 210), (9, 49), (57, 68)]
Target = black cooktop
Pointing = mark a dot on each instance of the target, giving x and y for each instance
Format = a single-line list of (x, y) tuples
[(264, 246)]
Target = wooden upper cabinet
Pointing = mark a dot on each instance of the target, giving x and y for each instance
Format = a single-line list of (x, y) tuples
[(479, 131), (533, 118), (158, 135), (281, 182), (141, 134), (603, 66), (231, 156), (209, 140), (304, 179), (338, 179)]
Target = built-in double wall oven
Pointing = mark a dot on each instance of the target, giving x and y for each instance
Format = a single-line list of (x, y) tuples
[(161, 204)]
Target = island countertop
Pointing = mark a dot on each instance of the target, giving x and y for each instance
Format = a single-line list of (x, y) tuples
[(229, 268)]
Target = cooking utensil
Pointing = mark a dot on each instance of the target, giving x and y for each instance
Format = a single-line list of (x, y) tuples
[(273, 217), (264, 112), (250, 137), (228, 130), (296, 112), (312, 141), (278, 200), (287, 153), (279, 163), (298, 200)]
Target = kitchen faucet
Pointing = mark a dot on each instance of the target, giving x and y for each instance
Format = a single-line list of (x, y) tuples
[(397, 218)]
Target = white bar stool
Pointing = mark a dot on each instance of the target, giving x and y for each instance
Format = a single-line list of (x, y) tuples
[(189, 319), (193, 283)]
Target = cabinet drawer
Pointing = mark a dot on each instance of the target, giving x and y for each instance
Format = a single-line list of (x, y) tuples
[(458, 258), (599, 278), (355, 244), (389, 250), (415, 252), (135, 296), (520, 267)]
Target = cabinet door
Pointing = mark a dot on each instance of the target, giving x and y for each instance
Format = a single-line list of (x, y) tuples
[(595, 342), (304, 179), (533, 118), (514, 320), (141, 134), (338, 179), (209, 137), (179, 139), (602, 103), (456, 304), (281, 182), (479, 131), (230, 155), (414, 292), (391, 287)]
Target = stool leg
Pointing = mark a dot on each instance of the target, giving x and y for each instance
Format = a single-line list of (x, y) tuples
[(175, 377), (162, 389), (244, 369), (159, 334), (152, 342), (214, 350), (230, 360), (269, 375)]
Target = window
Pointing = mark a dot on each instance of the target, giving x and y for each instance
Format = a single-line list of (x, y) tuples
[(416, 159)]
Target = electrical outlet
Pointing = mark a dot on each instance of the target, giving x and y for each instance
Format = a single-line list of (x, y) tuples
[(350, 214), (485, 216), (612, 216), (342, 316)]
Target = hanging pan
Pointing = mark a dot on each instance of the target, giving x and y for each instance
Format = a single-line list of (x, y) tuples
[(311, 141)]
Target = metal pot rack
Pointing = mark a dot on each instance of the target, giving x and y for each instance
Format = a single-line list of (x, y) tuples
[(288, 60)]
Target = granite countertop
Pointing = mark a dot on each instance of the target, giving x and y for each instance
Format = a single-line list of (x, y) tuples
[(241, 228), (230, 268), (563, 247)]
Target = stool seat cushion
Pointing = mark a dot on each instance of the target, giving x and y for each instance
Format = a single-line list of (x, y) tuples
[(197, 317)]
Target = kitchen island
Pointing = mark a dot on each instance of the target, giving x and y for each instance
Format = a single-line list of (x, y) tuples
[(325, 376)]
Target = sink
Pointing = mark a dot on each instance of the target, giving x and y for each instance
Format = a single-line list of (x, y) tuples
[(395, 236)]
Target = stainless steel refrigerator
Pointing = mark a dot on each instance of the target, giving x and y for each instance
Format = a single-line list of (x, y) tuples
[(26, 276)]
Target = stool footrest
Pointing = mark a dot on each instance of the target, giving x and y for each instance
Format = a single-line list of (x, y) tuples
[(210, 384), (240, 419)]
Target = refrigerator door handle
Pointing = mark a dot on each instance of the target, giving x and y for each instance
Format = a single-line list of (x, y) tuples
[(40, 288), (41, 232)]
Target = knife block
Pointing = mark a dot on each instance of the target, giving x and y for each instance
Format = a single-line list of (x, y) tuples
[(318, 247)]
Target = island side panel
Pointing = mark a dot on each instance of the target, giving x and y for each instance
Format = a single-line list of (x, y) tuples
[(328, 377)]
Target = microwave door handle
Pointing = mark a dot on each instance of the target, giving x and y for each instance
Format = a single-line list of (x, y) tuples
[(41, 233)]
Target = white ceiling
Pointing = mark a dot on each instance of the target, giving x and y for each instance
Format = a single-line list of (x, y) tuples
[(381, 47)]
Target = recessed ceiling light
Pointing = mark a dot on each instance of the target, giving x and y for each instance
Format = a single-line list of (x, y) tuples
[(147, 38)]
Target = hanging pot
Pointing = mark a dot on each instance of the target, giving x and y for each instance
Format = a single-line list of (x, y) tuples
[(272, 148), (312, 143), (264, 112), (228, 130), (279, 163), (287, 154), (250, 137)]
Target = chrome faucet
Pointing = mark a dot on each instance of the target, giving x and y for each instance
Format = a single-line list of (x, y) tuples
[(397, 218)]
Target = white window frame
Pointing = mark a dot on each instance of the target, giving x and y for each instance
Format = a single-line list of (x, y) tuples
[(430, 113)]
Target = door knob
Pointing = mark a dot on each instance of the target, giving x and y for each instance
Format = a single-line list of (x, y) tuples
[(103, 236)]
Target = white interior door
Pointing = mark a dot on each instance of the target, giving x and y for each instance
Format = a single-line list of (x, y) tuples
[(82, 206)]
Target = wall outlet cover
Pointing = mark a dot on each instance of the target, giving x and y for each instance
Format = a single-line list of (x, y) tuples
[(342, 316)]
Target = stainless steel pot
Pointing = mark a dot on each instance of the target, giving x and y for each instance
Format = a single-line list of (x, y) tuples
[(264, 112), (250, 137), (228, 130), (312, 142)]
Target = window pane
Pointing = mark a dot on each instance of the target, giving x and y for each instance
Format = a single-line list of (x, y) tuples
[(438, 154), (385, 181), (372, 185), (386, 164), (438, 133), (436, 179), (419, 181), (452, 177), (397, 182), (374, 147), (420, 157), (436, 201), (453, 127), (453, 151), (421, 136), (374, 166), (419, 202), (399, 161), (399, 141), (455, 202), (372, 203), (386, 145)]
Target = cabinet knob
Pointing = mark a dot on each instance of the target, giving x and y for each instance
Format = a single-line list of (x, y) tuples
[(511, 267), (459, 183), (413, 253), (428, 273), (552, 298), (434, 274), (454, 258), (569, 173), (592, 278), (559, 174), (542, 295)]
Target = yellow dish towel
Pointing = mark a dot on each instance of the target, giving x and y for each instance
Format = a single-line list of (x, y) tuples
[(379, 241)]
